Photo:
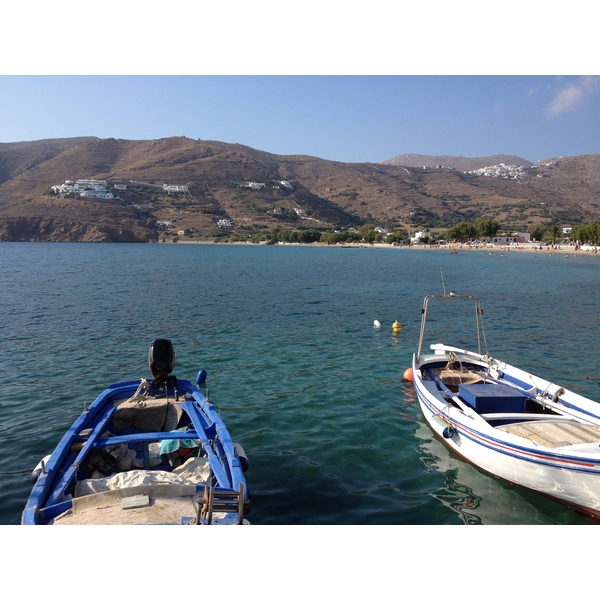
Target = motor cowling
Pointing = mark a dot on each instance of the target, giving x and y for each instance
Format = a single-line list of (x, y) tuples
[(161, 359)]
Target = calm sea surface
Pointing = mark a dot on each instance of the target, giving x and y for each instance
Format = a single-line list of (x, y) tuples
[(302, 378)]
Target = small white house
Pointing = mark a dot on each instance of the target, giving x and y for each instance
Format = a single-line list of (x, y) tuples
[(102, 194), (515, 238), (175, 189), (89, 184), (505, 239), (418, 236)]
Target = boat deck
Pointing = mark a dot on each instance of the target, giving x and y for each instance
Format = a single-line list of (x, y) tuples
[(159, 511), (554, 434)]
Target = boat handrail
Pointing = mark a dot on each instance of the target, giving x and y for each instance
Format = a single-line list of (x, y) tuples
[(222, 474), (69, 476), (452, 296)]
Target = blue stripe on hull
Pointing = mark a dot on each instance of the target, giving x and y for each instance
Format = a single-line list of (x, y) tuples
[(542, 458)]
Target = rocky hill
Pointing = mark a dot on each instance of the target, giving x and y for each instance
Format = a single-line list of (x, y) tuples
[(253, 191)]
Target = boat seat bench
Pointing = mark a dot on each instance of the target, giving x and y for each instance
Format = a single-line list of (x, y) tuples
[(146, 437), (554, 432)]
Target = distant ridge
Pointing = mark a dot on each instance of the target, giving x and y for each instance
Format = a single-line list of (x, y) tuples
[(256, 191), (460, 163)]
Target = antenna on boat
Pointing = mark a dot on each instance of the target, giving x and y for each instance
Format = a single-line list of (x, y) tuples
[(443, 284)]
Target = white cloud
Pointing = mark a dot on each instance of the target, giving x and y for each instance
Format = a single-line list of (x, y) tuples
[(572, 95)]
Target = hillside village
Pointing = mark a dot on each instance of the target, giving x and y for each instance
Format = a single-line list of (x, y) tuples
[(100, 189), (502, 171)]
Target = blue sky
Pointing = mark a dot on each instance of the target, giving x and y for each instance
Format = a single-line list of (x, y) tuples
[(343, 118), (352, 85)]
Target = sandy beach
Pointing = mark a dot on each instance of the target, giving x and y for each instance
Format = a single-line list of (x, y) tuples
[(499, 248), (565, 249)]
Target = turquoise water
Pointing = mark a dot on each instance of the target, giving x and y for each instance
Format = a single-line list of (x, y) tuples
[(302, 378)]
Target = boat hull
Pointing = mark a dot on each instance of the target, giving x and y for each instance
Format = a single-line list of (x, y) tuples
[(568, 473)]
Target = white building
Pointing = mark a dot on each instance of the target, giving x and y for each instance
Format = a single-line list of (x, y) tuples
[(505, 239), (103, 194), (418, 236), (226, 223), (89, 184), (175, 189), (515, 238), (80, 186)]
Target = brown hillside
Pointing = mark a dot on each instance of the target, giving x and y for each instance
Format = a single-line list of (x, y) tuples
[(327, 194)]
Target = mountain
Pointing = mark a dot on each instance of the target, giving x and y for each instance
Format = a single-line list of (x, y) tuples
[(256, 191)]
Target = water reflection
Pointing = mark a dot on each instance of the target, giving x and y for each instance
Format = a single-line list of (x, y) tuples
[(480, 499)]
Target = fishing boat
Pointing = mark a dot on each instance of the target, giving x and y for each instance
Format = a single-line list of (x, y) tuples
[(150, 451), (510, 423)]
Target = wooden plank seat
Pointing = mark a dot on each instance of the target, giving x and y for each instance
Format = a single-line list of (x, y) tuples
[(554, 433)]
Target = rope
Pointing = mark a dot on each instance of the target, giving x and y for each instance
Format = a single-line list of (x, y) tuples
[(452, 358), (138, 397)]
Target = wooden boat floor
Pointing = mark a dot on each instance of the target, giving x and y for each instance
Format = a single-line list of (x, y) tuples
[(167, 511), (554, 434)]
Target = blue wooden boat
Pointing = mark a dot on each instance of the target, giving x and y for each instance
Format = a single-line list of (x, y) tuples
[(154, 451)]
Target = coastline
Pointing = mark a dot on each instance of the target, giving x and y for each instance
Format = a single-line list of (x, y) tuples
[(456, 248)]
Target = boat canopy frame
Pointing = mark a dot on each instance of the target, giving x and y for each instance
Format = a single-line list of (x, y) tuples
[(480, 329)]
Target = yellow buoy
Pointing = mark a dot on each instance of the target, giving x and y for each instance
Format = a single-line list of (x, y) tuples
[(396, 327), (408, 375)]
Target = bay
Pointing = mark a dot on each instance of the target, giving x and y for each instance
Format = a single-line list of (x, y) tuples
[(304, 381)]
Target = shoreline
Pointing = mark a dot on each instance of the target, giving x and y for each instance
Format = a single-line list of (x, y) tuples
[(450, 248)]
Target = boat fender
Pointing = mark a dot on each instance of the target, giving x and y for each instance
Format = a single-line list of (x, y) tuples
[(201, 377), (40, 468), (448, 432), (242, 456)]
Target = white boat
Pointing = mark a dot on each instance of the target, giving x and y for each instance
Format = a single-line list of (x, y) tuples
[(508, 422)]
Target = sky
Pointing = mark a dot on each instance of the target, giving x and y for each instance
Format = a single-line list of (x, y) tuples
[(346, 85), (341, 118)]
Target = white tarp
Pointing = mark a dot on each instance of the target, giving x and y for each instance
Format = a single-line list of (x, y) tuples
[(193, 471)]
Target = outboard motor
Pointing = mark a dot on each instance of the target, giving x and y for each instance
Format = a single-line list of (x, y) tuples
[(161, 360)]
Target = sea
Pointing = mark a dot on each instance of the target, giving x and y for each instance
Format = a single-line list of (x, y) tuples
[(302, 375)]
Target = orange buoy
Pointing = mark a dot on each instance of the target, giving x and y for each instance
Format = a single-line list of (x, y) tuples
[(408, 375)]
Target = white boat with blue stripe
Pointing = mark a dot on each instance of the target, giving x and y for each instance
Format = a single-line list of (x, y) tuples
[(506, 421)]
